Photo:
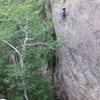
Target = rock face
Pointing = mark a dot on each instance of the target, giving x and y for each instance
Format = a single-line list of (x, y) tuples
[(77, 72)]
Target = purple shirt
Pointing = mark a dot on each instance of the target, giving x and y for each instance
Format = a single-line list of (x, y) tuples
[(63, 13)]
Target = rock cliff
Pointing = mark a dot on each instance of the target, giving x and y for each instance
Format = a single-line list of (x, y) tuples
[(77, 71)]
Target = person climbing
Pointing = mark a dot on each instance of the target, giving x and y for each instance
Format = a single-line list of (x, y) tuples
[(63, 14)]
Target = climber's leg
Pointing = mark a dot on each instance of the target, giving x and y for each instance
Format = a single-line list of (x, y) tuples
[(63, 17)]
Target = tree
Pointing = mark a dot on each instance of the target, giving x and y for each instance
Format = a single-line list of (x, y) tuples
[(30, 44)]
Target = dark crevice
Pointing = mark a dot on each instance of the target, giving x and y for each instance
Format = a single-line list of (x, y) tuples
[(58, 82)]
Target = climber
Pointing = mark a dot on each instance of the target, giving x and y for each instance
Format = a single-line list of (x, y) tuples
[(63, 14)]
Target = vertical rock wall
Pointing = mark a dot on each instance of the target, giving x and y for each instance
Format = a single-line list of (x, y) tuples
[(77, 72)]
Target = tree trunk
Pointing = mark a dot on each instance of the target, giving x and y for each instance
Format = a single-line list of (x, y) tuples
[(25, 95), (77, 72), (22, 77)]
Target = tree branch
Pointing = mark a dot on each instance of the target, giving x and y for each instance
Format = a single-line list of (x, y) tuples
[(23, 29), (26, 38), (38, 43), (12, 47)]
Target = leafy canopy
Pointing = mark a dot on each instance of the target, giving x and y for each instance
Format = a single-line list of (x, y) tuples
[(18, 18)]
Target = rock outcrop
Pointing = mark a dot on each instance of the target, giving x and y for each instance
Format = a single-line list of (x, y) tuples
[(77, 72)]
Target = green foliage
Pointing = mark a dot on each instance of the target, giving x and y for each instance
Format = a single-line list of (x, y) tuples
[(16, 15)]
